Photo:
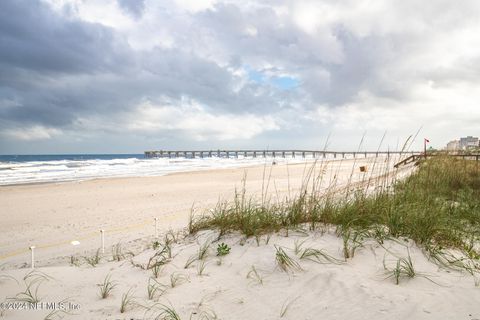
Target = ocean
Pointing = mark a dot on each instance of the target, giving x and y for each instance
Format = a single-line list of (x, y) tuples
[(24, 169)]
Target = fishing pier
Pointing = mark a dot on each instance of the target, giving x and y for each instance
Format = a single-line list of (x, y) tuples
[(273, 153)]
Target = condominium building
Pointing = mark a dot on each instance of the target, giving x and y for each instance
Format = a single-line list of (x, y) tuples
[(468, 142), (464, 143), (453, 145)]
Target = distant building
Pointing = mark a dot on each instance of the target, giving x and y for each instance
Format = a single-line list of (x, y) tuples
[(465, 143), (453, 145), (468, 143)]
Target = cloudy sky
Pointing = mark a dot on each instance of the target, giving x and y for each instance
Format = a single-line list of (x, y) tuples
[(85, 76)]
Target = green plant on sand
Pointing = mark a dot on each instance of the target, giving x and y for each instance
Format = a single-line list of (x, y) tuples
[(223, 249)]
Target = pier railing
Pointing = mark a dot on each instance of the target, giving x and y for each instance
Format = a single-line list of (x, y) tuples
[(419, 157), (271, 153)]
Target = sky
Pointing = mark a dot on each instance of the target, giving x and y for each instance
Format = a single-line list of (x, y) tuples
[(124, 76)]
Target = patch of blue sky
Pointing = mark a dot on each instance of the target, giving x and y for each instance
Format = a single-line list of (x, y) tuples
[(282, 82), (256, 76), (285, 83)]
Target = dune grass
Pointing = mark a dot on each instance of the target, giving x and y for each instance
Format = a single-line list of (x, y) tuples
[(285, 262), (32, 281), (437, 206), (106, 287), (255, 276), (94, 259), (127, 301), (155, 289)]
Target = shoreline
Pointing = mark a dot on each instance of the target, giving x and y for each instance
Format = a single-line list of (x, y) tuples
[(61, 212), (195, 169), (181, 170)]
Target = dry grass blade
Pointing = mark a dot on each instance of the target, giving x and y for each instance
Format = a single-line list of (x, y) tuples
[(285, 306), (204, 250), (255, 276), (284, 261), (5, 277), (318, 256), (201, 268), (177, 278), (190, 261)]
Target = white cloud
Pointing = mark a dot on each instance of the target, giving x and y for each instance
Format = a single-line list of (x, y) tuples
[(182, 119), (34, 133), (195, 5), (194, 121)]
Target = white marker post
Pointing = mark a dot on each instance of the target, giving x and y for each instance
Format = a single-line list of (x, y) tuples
[(156, 227), (32, 250), (102, 233)]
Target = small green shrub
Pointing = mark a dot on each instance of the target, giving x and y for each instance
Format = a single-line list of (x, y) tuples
[(223, 249)]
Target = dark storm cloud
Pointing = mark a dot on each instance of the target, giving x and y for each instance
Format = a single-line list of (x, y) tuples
[(40, 49), (33, 37), (59, 69)]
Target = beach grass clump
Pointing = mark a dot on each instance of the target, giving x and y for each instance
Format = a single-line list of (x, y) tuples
[(438, 205), (403, 268), (94, 259), (75, 261), (284, 261), (202, 254), (156, 262), (451, 261), (106, 287), (155, 289), (32, 281), (118, 254), (30, 294), (127, 301), (352, 240), (166, 313)]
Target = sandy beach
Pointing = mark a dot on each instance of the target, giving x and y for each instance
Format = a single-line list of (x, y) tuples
[(50, 216), (248, 283)]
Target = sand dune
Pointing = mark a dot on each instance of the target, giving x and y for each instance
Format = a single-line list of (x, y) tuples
[(359, 288)]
